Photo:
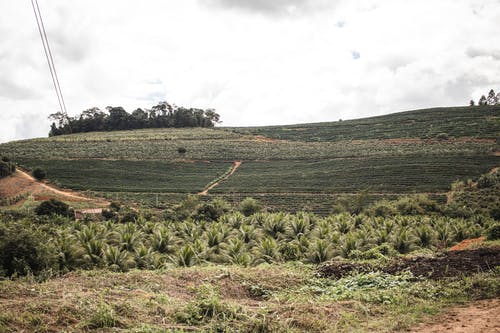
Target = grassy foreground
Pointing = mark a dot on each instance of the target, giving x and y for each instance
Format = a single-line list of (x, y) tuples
[(266, 298)]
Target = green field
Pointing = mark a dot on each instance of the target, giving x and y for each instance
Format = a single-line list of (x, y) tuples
[(480, 122), (131, 176), (288, 167)]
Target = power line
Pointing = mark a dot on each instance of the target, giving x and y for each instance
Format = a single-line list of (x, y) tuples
[(49, 57)]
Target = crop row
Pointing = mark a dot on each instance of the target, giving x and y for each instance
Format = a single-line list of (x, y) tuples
[(236, 149), (390, 174), (130, 176), (457, 122)]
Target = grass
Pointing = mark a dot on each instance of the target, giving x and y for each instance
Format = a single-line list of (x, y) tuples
[(218, 299)]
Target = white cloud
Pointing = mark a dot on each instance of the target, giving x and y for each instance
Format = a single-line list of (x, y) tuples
[(256, 62)]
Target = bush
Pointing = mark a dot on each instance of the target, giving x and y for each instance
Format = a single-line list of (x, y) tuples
[(250, 206), (488, 180), (442, 136), (6, 168), (211, 211), (54, 207), (493, 232), (181, 150), (22, 251), (39, 174)]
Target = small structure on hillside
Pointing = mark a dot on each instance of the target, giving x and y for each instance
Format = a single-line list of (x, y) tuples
[(90, 213)]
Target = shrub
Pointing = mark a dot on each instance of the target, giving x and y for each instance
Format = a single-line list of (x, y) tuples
[(250, 206), (6, 168), (211, 211), (181, 150), (54, 207), (23, 251), (488, 180), (493, 232), (39, 174), (442, 136)]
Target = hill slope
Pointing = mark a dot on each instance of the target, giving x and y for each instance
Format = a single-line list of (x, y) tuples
[(288, 167)]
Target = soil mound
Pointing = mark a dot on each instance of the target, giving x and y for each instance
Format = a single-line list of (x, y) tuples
[(447, 264)]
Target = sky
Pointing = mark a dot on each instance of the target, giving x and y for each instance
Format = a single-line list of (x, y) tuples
[(257, 62)]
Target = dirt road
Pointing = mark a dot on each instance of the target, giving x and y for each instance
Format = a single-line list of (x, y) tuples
[(236, 165), (478, 317)]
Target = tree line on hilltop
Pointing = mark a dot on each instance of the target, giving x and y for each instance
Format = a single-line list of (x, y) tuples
[(492, 99), (162, 115)]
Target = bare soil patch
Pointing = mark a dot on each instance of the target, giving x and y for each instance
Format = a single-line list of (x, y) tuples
[(448, 264), (479, 317), (21, 182)]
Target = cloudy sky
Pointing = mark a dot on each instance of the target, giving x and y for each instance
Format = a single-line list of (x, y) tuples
[(257, 62)]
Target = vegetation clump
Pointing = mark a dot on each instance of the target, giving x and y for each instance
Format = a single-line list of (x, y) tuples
[(39, 174), (162, 115), (53, 207), (6, 167)]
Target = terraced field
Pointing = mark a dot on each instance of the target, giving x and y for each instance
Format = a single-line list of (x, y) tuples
[(481, 122), (287, 167)]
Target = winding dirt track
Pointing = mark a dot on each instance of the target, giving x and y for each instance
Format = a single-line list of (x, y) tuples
[(236, 165), (478, 317), (52, 189)]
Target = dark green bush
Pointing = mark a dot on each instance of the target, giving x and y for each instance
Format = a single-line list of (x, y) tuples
[(488, 180), (53, 207), (493, 232), (181, 150), (23, 251), (250, 206), (211, 211), (6, 168), (39, 174)]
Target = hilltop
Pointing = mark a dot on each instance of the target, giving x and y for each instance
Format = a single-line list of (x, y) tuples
[(291, 167)]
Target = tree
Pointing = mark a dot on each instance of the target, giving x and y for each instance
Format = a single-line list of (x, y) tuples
[(53, 207), (472, 103), (39, 174), (482, 100), (492, 98)]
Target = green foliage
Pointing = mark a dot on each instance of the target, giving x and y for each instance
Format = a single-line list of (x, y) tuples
[(249, 206), (489, 180), (24, 251), (39, 173), (103, 317), (53, 207), (6, 167), (493, 232), (206, 308)]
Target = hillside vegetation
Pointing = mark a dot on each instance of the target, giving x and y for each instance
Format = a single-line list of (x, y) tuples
[(288, 167)]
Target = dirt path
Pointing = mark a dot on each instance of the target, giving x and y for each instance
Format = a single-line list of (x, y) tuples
[(236, 165), (27, 176), (478, 317)]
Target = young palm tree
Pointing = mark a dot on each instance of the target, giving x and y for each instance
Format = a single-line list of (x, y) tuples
[(236, 252), (274, 225), (143, 257), (267, 250), (424, 236), (186, 256), (162, 240), (94, 250), (298, 227), (319, 251), (116, 259), (403, 241), (347, 244), (69, 253)]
